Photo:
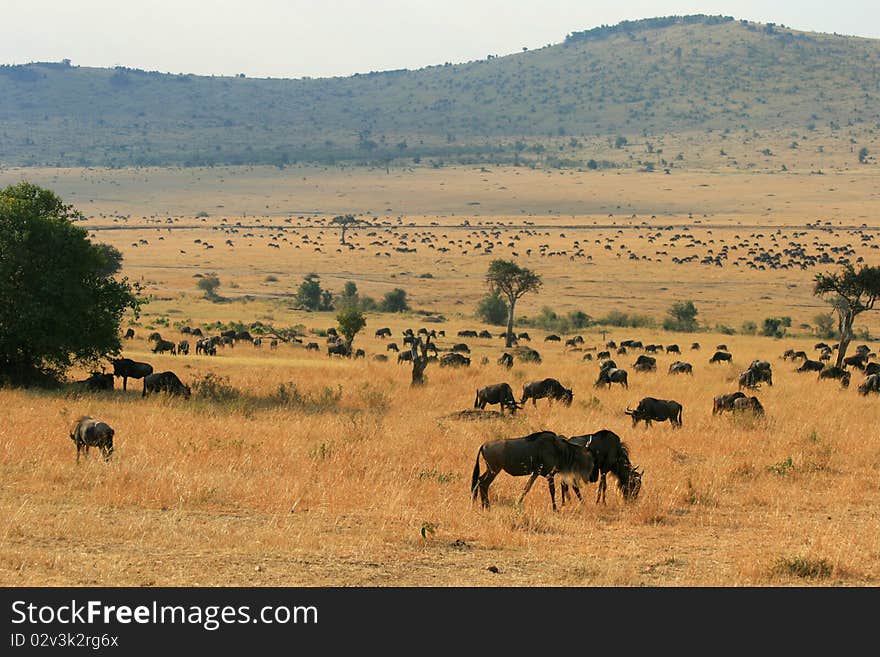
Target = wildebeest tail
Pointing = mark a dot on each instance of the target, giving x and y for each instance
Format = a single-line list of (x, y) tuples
[(477, 400), (475, 477), (679, 415)]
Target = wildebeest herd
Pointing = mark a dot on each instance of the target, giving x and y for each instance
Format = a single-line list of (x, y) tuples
[(573, 460)]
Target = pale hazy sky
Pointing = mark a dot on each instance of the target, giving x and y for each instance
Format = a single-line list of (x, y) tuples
[(296, 38)]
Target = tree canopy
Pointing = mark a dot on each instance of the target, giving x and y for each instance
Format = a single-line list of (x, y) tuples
[(61, 305), (681, 316), (350, 321), (850, 293), (508, 278)]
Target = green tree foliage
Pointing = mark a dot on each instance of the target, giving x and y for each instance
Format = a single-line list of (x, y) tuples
[(773, 327), (310, 295), (850, 293), (749, 328), (394, 301), (112, 259), (345, 221), (209, 284), (60, 306), (681, 316), (507, 278), (350, 321), (492, 309), (349, 297), (825, 326)]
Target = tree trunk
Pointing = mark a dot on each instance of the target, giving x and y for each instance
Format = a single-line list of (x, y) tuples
[(343, 234), (508, 340), (419, 353), (846, 335)]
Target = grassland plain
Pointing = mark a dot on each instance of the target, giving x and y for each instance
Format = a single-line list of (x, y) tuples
[(298, 469)]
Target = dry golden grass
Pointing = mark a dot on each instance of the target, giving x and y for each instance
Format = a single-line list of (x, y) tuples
[(371, 485)]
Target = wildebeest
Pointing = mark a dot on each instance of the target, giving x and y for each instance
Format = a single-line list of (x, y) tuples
[(404, 357), (129, 334), (183, 347), (656, 410), (380, 357), (720, 356), (758, 372), (461, 348), (750, 404), (695, 346), (721, 403), (130, 369), (603, 354), (857, 360), (96, 381), (484, 334), (165, 382), (454, 360), (872, 368), (313, 346), (543, 453), (794, 355), (680, 367), (273, 344), (610, 455), (673, 349), (498, 393), (339, 349), (360, 353), (524, 336), (383, 332), (467, 334), (258, 342), (835, 372), (645, 364), (162, 346), (811, 366), (721, 347), (621, 351), (89, 432), (587, 356), (610, 375), (552, 338), (506, 360), (546, 388), (870, 384), (392, 346)]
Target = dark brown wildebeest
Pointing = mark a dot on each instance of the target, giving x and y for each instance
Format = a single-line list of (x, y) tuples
[(404, 357), (524, 336), (360, 353), (720, 357), (750, 404), (467, 334), (167, 382), (857, 360), (838, 373), (313, 346), (680, 367), (484, 334), (546, 388), (392, 346), (872, 368), (822, 346), (542, 454), (758, 372), (656, 410), (96, 381), (183, 347), (587, 356), (498, 393), (610, 375), (673, 349), (506, 360), (383, 333), (811, 366), (89, 432), (721, 347), (454, 360), (695, 346), (645, 364), (722, 403), (258, 342), (621, 351), (339, 349), (611, 455), (603, 354), (273, 344), (162, 346), (870, 384), (130, 369), (382, 358), (552, 338), (129, 334), (461, 348)]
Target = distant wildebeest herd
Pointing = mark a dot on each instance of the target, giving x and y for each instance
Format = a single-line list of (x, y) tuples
[(574, 460)]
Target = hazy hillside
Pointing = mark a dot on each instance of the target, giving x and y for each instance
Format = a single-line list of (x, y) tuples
[(646, 78)]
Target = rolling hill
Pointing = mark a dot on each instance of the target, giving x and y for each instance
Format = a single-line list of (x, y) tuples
[(577, 103)]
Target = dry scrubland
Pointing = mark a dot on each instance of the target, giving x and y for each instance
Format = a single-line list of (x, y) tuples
[(354, 478)]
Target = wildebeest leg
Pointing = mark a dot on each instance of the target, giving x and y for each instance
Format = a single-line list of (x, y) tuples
[(485, 479), (600, 492), (78, 448), (528, 487), (124, 383), (552, 486), (577, 491)]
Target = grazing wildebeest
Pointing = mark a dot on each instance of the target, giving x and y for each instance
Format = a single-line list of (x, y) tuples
[(546, 388), (680, 367), (822, 346), (872, 368), (404, 357), (383, 333), (552, 338), (360, 353), (789, 353), (721, 347), (498, 393), (484, 334), (197, 332), (228, 334), (524, 336), (89, 432), (673, 349), (128, 368), (313, 346), (720, 356), (621, 351), (155, 335), (339, 349), (653, 348), (96, 381), (835, 372), (506, 360), (656, 410), (645, 364), (129, 334), (811, 366), (870, 384), (165, 382), (273, 344), (607, 365), (611, 344), (461, 348), (380, 357), (258, 342), (610, 455), (587, 356), (528, 355), (544, 454), (467, 334), (392, 346), (162, 346), (246, 337), (610, 375), (750, 404), (758, 372), (183, 347), (603, 354), (695, 346), (454, 360), (722, 403), (857, 360)]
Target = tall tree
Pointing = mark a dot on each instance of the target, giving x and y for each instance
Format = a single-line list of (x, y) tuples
[(507, 278), (346, 221), (850, 293), (60, 304), (350, 321)]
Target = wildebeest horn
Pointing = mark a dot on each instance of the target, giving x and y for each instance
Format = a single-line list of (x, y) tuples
[(629, 411)]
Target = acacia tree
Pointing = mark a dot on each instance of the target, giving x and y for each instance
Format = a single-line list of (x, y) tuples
[(346, 221), (507, 278), (351, 321), (60, 303), (850, 293)]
